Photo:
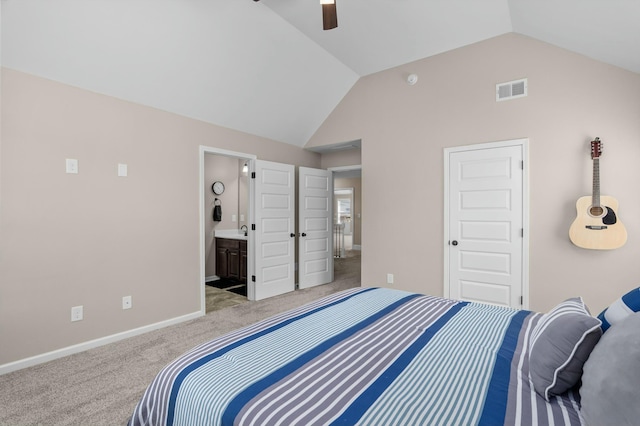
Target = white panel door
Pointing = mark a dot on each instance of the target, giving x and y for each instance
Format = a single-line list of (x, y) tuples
[(274, 236), (315, 223), (485, 225)]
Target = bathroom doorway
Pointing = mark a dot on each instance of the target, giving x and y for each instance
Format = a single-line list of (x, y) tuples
[(343, 220), (225, 216), (347, 219)]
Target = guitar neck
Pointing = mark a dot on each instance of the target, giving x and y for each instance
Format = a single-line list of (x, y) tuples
[(595, 201)]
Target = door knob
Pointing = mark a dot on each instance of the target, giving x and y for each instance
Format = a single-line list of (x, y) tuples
[(454, 243), (292, 235), (303, 235)]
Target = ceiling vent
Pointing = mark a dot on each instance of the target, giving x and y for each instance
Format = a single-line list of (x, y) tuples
[(511, 90)]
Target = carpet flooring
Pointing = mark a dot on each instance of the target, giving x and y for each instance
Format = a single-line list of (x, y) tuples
[(101, 386)]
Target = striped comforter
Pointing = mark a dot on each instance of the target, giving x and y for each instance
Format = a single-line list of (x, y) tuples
[(367, 356)]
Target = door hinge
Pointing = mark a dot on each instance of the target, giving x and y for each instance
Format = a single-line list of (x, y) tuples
[(253, 175), (521, 300), (522, 165), (522, 232), (253, 278), (253, 226)]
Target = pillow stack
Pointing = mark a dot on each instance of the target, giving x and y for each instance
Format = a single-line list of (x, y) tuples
[(560, 344), (620, 309)]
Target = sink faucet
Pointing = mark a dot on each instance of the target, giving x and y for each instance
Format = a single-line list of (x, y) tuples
[(245, 229)]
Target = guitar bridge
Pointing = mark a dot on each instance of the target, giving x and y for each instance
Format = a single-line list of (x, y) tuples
[(596, 227)]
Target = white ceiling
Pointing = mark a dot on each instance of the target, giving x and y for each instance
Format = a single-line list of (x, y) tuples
[(267, 68)]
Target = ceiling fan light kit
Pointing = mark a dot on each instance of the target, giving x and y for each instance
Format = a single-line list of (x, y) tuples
[(329, 14)]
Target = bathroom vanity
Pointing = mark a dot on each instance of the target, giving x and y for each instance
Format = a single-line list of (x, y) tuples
[(231, 256)]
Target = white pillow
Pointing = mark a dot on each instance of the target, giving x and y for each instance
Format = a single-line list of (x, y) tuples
[(620, 309)]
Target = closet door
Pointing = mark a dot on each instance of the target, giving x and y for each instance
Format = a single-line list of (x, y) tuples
[(274, 234), (315, 222), (485, 234)]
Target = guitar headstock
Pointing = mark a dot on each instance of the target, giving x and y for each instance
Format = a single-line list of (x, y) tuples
[(596, 148)]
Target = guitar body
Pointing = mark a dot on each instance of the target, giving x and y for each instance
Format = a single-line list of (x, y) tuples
[(598, 232)]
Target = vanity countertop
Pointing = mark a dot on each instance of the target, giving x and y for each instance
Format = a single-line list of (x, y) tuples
[(233, 234)]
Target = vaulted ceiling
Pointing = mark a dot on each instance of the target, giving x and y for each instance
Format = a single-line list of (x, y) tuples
[(267, 68)]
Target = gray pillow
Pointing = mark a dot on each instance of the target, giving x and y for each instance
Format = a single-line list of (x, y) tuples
[(611, 376), (560, 344)]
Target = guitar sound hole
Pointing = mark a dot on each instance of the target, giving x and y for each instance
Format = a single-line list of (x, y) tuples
[(596, 211)]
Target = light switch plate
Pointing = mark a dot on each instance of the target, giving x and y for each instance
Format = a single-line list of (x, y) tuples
[(72, 165), (76, 313), (122, 170)]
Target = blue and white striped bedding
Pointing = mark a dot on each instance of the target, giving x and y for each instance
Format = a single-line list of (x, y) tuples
[(367, 356)]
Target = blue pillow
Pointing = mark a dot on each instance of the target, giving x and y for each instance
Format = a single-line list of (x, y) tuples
[(620, 309)]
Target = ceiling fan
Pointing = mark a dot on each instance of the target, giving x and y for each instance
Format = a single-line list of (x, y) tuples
[(329, 14)]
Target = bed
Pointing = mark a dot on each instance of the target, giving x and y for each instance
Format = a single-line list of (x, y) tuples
[(370, 356)]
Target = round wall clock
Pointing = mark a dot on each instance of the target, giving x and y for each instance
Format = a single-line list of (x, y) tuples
[(217, 187)]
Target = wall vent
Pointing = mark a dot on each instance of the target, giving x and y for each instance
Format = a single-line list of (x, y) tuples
[(511, 90)]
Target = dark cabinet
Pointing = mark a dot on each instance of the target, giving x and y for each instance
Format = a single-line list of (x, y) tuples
[(231, 259)]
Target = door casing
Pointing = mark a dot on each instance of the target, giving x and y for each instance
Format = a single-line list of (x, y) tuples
[(524, 143)]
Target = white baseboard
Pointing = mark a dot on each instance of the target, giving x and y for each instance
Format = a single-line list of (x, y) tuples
[(211, 278), (81, 347), (357, 247)]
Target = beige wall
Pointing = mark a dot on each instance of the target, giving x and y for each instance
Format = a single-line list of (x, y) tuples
[(92, 238), (403, 128), (349, 157)]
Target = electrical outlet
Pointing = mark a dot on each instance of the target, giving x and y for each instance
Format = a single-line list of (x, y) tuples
[(76, 313), (126, 302), (389, 278)]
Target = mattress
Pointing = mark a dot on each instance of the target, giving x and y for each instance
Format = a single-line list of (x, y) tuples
[(369, 356)]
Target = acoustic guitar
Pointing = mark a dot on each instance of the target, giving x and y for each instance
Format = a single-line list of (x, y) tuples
[(597, 225)]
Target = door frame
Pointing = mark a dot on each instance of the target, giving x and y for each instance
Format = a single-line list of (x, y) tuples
[(524, 143), (203, 150)]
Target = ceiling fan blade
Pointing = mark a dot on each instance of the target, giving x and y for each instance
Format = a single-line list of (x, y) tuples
[(329, 16)]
